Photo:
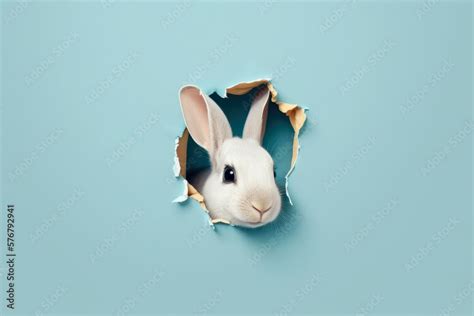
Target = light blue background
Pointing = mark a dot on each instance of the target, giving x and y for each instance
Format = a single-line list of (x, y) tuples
[(363, 148)]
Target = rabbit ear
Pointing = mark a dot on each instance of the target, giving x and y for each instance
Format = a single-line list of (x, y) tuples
[(204, 119), (257, 118)]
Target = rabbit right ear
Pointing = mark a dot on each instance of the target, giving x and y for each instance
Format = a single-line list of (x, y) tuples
[(256, 122), (204, 119)]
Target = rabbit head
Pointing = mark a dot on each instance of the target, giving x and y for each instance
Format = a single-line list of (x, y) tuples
[(240, 187)]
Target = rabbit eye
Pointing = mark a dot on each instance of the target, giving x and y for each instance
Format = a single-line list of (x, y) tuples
[(274, 173), (229, 174)]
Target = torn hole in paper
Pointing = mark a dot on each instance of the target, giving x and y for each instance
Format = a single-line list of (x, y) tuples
[(284, 123)]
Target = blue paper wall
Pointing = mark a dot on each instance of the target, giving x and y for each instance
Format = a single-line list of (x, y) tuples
[(382, 221)]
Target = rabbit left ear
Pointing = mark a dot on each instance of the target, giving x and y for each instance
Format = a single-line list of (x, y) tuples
[(257, 118), (205, 120)]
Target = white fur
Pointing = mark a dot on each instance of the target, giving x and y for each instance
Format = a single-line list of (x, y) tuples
[(255, 187)]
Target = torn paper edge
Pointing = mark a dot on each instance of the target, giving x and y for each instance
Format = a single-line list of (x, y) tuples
[(296, 115)]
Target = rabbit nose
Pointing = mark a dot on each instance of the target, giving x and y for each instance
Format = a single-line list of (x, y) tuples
[(260, 208)]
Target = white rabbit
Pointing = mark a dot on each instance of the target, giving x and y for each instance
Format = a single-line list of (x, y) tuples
[(240, 187)]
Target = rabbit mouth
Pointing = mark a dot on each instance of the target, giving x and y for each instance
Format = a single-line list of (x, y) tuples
[(262, 213), (251, 223)]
